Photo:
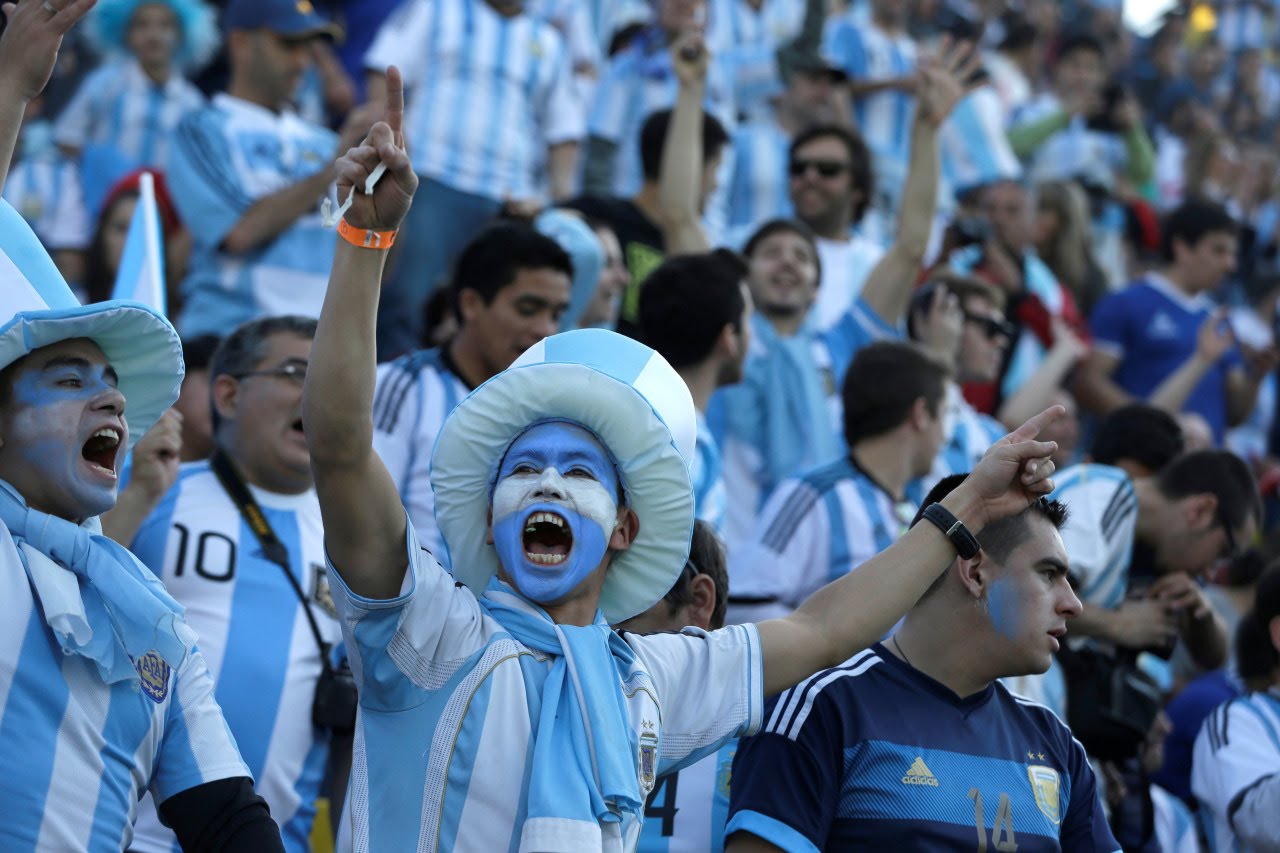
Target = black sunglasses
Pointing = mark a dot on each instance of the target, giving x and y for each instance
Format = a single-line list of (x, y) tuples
[(825, 168), (992, 326)]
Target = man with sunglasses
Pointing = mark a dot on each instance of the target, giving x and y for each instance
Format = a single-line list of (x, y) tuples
[(265, 629)]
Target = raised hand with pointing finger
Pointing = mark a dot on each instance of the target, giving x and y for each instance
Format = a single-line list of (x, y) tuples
[(385, 207)]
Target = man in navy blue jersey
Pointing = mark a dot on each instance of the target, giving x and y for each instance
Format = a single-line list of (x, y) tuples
[(914, 744)]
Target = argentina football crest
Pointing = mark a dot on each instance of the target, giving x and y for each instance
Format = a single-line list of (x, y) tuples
[(321, 591), (648, 758), (154, 675), (1045, 784)]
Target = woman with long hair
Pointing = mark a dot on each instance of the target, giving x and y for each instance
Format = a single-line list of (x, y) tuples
[(1064, 241)]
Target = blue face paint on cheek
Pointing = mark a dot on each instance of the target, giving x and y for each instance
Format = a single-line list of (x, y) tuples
[(1002, 606), (548, 583)]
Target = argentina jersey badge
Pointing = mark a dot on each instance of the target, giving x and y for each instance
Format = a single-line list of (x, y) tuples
[(1045, 784), (321, 591), (154, 675), (648, 758)]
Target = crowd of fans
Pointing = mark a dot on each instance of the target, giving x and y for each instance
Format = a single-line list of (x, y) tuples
[(871, 236)]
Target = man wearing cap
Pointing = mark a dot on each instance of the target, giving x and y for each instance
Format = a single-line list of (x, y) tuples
[(249, 176), (501, 712), (103, 695)]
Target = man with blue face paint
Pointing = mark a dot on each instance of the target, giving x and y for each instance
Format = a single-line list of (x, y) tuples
[(498, 709), (103, 694)]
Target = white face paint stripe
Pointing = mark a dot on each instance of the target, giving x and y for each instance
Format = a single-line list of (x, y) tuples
[(588, 497)]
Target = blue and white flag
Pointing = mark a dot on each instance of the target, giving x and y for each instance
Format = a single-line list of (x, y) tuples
[(140, 277)]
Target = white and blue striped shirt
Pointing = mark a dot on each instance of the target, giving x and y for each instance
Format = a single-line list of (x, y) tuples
[(1245, 23), (253, 633), (45, 190), (868, 53), (226, 158), (1076, 151), (813, 530), (414, 395), (487, 94), (121, 109), (1238, 747), (706, 472), (636, 83), (975, 149), (687, 810), (746, 41), (1099, 531), (760, 187), (77, 754), (449, 702)]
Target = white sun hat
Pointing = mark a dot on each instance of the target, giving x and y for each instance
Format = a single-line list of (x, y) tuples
[(37, 308), (639, 408)]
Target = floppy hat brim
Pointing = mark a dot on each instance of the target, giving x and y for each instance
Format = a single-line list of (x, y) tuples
[(654, 472), (141, 346)]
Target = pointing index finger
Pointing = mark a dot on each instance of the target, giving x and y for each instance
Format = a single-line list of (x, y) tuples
[(1032, 428), (395, 104)]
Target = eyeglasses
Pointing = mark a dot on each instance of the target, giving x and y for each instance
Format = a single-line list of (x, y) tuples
[(992, 326), (825, 168), (293, 372)]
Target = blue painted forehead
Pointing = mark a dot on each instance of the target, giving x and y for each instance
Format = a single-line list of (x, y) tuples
[(561, 432)]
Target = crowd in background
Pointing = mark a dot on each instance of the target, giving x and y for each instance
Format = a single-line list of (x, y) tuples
[(931, 219)]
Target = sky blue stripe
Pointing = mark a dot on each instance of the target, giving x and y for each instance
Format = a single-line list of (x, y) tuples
[(151, 130), (466, 67), (839, 557), (771, 830), (29, 727), (22, 246), (259, 640), (459, 785), (115, 789), (297, 831), (494, 110), (869, 493), (116, 122)]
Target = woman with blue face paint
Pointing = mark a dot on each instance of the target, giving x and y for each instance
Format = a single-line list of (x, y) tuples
[(103, 695), (499, 710)]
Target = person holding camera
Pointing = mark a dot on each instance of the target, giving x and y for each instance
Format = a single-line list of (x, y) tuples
[(238, 540), (1084, 123)]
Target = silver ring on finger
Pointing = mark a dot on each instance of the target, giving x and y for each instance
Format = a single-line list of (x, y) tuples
[(48, 7)]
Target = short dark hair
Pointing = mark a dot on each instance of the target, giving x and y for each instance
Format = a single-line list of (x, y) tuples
[(1256, 655), (1080, 41), (653, 137), (1139, 433), (492, 260), (1194, 220), (246, 347), (883, 382), (860, 167), (706, 557), (687, 301), (784, 226), (1217, 472), (1000, 538), (197, 352)]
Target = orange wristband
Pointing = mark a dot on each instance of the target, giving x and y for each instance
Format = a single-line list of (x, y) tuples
[(366, 239)]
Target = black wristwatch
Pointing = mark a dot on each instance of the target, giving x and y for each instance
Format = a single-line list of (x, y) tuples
[(966, 544)]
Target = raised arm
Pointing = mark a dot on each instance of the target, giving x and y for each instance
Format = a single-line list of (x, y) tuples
[(28, 51), (941, 86), (853, 612), (364, 520), (680, 179)]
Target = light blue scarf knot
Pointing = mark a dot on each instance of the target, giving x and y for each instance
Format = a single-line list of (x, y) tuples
[(585, 753), (122, 611)]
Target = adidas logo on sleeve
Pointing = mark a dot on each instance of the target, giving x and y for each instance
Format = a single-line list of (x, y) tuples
[(920, 774)]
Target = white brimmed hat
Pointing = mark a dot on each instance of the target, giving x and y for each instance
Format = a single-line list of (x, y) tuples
[(639, 408), (37, 309)]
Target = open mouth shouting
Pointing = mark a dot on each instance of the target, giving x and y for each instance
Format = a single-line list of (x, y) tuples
[(102, 450), (547, 539)]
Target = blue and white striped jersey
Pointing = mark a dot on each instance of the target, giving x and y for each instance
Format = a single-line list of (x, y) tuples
[(974, 147), (1099, 532), (867, 53), (77, 754), (1076, 151), (45, 189), (845, 267), (1245, 23), (414, 394), (1175, 824), (968, 434), (706, 472), (506, 85), (687, 809), (742, 414), (813, 530), (119, 108), (759, 188), (449, 700), (227, 157), (876, 755), (637, 82), (1238, 747), (253, 632), (746, 41)]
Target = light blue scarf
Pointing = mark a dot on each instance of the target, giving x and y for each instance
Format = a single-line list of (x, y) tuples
[(792, 421), (584, 757), (121, 612)]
